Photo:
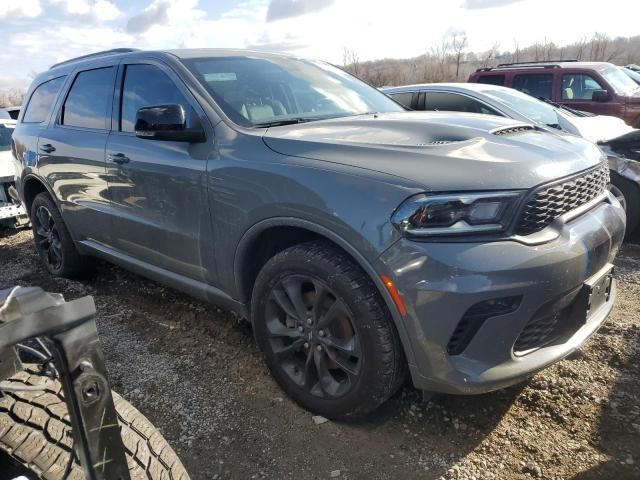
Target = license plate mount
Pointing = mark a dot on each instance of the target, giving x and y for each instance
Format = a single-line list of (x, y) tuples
[(595, 292)]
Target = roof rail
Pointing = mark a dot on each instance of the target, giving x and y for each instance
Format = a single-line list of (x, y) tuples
[(537, 62), (113, 51)]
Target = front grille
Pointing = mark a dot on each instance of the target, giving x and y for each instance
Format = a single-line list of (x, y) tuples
[(551, 202)]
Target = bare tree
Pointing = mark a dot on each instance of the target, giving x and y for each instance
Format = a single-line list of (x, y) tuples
[(11, 97), (515, 57), (458, 43), (490, 55), (580, 48), (351, 61)]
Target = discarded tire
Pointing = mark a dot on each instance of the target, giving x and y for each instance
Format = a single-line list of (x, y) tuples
[(35, 431)]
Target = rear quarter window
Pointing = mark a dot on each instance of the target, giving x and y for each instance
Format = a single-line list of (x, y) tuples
[(41, 101), (403, 98)]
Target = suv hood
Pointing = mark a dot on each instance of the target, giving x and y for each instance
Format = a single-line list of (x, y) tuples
[(440, 151)]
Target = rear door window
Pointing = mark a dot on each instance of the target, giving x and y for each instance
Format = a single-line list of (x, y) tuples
[(492, 79), (453, 102), (42, 100), (145, 86), (579, 86), (88, 101), (538, 85), (403, 98)]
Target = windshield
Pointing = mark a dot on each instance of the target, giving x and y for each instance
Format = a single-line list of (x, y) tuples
[(526, 105), (635, 76), (5, 137), (256, 91), (620, 82)]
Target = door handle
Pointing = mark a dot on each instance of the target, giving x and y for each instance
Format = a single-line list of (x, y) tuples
[(48, 148), (118, 158)]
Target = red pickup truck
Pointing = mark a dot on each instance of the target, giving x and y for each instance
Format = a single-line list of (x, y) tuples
[(598, 87)]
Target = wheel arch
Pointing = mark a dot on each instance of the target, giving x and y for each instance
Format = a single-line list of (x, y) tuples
[(31, 187), (255, 249)]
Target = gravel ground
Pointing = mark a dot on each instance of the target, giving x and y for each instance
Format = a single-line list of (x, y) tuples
[(195, 372)]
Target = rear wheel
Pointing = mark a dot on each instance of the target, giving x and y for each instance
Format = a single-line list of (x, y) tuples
[(327, 336), (52, 239), (36, 433)]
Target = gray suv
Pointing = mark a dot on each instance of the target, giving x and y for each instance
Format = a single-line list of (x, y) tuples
[(363, 242)]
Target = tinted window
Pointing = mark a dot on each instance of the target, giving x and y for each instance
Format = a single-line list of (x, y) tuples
[(579, 86), (492, 79), (537, 85), (87, 104), (42, 100), (5, 137), (452, 102), (403, 98), (145, 86)]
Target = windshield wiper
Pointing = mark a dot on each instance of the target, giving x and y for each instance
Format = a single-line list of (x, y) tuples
[(285, 121), (561, 107)]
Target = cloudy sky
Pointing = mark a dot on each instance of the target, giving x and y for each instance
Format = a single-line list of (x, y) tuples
[(38, 33)]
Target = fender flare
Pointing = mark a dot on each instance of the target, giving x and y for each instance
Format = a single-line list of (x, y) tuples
[(254, 231), (30, 177)]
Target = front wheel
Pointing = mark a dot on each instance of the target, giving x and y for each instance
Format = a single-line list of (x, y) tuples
[(36, 433), (628, 194), (326, 334)]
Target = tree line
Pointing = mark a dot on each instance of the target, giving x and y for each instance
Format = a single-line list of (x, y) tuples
[(451, 61)]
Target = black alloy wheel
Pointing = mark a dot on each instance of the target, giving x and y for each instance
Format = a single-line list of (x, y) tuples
[(313, 337), (53, 241), (327, 335), (47, 238)]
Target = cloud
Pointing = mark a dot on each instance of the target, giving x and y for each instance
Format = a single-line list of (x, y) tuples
[(269, 43), (22, 9), (177, 14), (279, 9), (154, 14), (478, 4), (92, 10)]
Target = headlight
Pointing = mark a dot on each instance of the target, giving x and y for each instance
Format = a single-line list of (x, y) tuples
[(455, 214)]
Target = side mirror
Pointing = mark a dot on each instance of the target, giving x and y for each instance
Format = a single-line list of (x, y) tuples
[(600, 96), (166, 122)]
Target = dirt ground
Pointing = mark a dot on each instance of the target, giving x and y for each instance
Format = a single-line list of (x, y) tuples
[(195, 372)]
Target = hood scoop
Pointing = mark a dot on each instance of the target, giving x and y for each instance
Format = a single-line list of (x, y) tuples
[(513, 130), (440, 141)]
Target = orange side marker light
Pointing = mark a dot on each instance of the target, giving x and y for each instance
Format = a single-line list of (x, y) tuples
[(393, 291)]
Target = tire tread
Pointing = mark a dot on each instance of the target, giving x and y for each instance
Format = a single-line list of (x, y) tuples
[(36, 431)]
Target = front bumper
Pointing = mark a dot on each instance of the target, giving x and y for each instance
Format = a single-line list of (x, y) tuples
[(440, 281)]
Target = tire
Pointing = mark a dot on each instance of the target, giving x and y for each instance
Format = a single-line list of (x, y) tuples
[(342, 307), (36, 433), (52, 239), (631, 198)]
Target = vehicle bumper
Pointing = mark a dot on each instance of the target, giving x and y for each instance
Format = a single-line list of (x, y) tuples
[(439, 282)]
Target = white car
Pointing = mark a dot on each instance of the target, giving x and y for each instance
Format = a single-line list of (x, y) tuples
[(12, 212)]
